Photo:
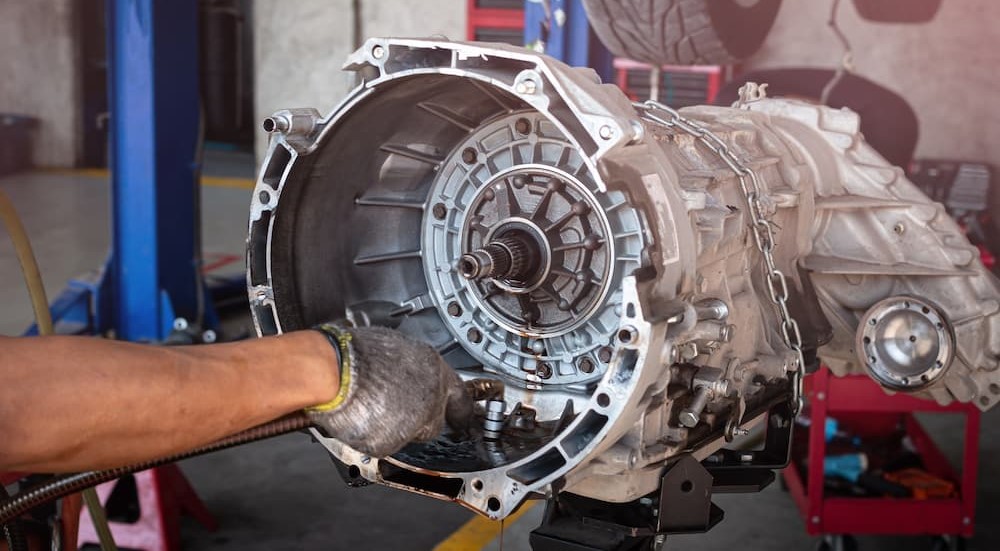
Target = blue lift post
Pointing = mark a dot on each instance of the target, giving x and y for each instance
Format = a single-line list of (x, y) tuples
[(152, 275), (155, 112), (560, 28)]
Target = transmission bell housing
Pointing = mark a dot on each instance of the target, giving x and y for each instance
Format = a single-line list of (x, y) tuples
[(638, 282)]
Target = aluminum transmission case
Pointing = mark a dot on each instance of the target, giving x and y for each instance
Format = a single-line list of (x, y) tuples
[(597, 258)]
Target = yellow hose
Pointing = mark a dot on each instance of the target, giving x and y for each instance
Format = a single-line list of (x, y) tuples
[(43, 318), (32, 277)]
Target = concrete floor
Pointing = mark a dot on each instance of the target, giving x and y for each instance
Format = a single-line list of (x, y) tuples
[(285, 494)]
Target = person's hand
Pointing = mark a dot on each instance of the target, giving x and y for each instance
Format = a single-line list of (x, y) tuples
[(394, 390)]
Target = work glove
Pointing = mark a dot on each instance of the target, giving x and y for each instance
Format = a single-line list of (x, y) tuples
[(394, 390)]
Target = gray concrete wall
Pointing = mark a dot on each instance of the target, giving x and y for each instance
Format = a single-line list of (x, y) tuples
[(299, 46), (946, 69), (38, 64)]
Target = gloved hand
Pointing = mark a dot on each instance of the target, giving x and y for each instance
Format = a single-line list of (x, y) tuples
[(394, 390)]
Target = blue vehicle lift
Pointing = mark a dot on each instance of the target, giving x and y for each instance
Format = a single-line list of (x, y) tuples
[(152, 277)]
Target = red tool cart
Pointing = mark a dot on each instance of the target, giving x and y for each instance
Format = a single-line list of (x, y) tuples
[(861, 406)]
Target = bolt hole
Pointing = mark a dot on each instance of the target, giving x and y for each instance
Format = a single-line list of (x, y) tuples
[(264, 197), (269, 125), (475, 336), (469, 155), (925, 310), (985, 400), (995, 388), (687, 486), (913, 338), (625, 336), (522, 126), (586, 365), (454, 310), (439, 211), (924, 378), (477, 485), (604, 354), (493, 504), (354, 471), (603, 400), (867, 340), (872, 359)]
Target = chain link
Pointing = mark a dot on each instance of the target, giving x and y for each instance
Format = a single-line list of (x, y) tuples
[(760, 226)]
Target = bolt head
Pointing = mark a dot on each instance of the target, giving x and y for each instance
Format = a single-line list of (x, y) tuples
[(209, 336), (526, 86), (688, 419), (605, 132), (378, 52)]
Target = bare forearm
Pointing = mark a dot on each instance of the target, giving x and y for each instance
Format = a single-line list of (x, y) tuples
[(69, 403)]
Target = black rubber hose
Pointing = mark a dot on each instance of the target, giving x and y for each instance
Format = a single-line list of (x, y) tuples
[(62, 486), (12, 530)]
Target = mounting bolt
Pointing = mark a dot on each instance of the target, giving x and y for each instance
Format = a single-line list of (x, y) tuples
[(899, 228), (526, 87), (454, 310), (180, 324), (605, 132), (209, 336), (366, 460), (604, 354), (378, 52), (474, 335), (587, 365), (690, 416)]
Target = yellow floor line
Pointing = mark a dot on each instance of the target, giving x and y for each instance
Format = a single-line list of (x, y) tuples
[(210, 181), (479, 532)]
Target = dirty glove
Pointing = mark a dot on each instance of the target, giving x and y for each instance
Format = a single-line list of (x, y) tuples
[(394, 390)]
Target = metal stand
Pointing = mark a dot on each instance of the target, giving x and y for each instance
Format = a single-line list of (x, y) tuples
[(683, 505)]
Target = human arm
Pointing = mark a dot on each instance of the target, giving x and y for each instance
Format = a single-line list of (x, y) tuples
[(77, 403)]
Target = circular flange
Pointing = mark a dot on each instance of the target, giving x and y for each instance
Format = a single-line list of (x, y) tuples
[(530, 250), (569, 234), (905, 343)]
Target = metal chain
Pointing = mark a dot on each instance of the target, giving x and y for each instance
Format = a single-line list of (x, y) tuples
[(760, 226)]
